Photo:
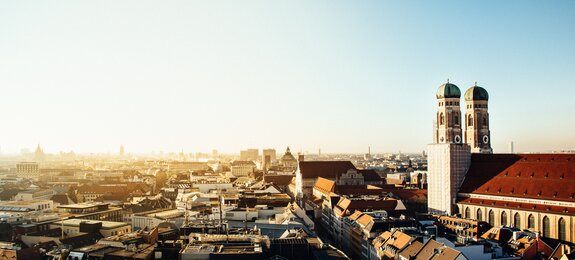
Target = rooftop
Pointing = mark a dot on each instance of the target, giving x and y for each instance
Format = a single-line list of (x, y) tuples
[(533, 176), (83, 205), (105, 224)]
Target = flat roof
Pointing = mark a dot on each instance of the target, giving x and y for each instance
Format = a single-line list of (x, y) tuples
[(91, 248), (83, 205), (105, 224), (22, 202)]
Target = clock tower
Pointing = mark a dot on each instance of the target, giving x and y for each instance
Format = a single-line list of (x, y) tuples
[(477, 134)]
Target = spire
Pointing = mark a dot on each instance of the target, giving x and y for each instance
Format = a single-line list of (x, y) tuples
[(447, 80)]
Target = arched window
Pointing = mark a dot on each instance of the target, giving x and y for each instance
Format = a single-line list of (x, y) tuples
[(456, 119), (491, 218), (562, 230), (546, 230), (531, 222), (469, 121), (484, 121), (441, 119), (504, 218), (479, 214), (467, 213), (517, 220)]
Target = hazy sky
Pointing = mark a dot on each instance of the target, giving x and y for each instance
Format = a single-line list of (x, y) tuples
[(341, 75)]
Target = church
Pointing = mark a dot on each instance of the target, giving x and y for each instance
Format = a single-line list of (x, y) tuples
[(527, 191)]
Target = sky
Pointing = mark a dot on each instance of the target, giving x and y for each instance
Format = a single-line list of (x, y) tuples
[(153, 76)]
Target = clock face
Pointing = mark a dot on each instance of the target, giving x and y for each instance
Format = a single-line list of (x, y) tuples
[(485, 139), (457, 139)]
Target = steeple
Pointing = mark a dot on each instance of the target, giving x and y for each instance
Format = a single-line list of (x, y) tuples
[(448, 119), (39, 153), (477, 134)]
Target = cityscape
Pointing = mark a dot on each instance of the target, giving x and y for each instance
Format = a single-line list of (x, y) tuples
[(144, 130)]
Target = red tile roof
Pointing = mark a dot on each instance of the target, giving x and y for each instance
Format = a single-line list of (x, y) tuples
[(324, 185), (325, 169), (278, 179), (535, 176)]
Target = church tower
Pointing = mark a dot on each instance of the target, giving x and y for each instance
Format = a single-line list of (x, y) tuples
[(477, 134), (448, 157), (448, 118)]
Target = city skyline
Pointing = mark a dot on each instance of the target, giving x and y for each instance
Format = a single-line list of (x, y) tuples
[(192, 76)]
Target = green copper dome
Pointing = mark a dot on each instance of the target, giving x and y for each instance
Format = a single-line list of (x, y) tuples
[(448, 90), (476, 93)]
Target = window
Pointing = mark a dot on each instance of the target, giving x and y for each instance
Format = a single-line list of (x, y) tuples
[(467, 213), (517, 220), (531, 222), (491, 219), (456, 119), (479, 214), (504, 218), (546, 227), (561, 230), (485, 121), (469, 121), (441, 119)]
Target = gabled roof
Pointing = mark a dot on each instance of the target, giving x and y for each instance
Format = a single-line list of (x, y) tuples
[(380, 240), (435, 250), (325, 169), (534, 176), (278, 179), (342, 206), (370, 175), (355, 215), (365, 220), (62, 199), (411, 250), (325, 186), (397, 240)]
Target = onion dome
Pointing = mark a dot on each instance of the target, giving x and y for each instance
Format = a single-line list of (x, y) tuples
[(448, 90), (476, 93)]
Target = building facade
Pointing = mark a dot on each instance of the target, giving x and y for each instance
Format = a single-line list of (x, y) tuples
[(533, 192), (27, 169)]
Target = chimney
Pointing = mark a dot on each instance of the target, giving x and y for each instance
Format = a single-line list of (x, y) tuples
[(300, 157)]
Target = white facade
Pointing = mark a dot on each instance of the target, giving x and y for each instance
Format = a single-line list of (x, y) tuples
[(447, 166)]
